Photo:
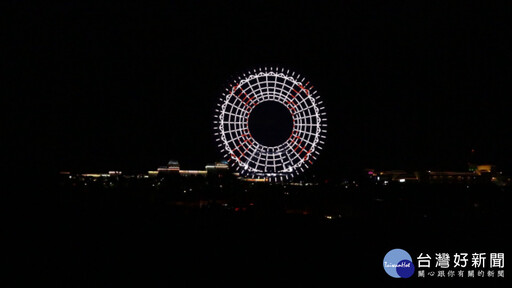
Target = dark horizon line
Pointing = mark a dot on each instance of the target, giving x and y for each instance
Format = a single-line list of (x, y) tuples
[(313, 171)]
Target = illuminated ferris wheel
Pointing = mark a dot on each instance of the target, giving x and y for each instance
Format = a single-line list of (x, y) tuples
[(282, 148)]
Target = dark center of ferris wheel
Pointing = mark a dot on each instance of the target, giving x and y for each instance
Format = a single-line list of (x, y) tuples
[(270, 123)]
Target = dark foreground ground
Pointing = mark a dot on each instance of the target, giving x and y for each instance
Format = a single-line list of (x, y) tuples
[(203, 235)]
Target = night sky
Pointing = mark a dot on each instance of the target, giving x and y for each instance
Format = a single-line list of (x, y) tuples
[(92, 87)]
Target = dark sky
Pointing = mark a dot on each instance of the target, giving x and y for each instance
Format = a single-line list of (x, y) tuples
[(409, 84)]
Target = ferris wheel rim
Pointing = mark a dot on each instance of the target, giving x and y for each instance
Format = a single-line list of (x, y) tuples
[(246, 154)]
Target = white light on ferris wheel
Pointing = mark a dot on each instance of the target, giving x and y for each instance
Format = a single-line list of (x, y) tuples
[(287, 159)]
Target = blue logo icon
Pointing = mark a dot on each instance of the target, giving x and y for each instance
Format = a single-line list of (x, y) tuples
[(398, 264)]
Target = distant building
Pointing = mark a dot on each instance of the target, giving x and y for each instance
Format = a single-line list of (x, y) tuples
[(483, 173), (219, 168), (386, 177), (482, 168), (172, 168), (451, 177), (477, 173), (173, 165), (189, 173)]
